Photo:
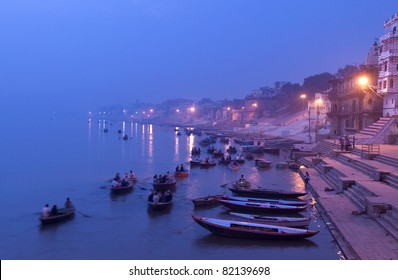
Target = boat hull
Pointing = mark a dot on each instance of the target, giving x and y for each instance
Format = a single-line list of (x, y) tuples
[(62, 216), (266, 193), (162, 187), (251, 230), (274, 220), (261, 208), (159, 206), (209, 200), (116, 190)]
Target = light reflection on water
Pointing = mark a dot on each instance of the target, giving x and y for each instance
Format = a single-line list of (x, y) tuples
[(122, 226)]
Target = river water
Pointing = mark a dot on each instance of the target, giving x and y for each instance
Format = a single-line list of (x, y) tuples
[(49, 159)]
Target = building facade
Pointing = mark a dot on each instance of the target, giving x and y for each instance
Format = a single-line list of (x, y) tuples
[(353, 107), (387, 82)]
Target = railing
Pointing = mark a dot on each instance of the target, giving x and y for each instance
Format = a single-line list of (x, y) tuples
[(370, 149)]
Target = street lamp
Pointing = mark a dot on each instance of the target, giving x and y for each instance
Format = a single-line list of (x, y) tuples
[(363, 81), (303, 96), (318, 102)]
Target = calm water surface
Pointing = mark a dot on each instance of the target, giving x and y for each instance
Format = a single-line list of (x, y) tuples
[(47, 160)]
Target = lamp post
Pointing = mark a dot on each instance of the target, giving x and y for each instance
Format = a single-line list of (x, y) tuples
[(318, 102), (309, 125), (303, 96)]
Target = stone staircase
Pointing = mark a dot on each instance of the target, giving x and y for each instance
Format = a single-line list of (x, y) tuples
[(389, 222), (377, 133), (346, 160), (357, 194)]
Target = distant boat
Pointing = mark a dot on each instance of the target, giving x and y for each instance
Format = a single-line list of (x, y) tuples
[(164, 186), (260, 162), (122, 189), (231, 228), (295, 202)]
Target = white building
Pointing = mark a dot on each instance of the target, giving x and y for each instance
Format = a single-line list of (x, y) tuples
[(387, 82)]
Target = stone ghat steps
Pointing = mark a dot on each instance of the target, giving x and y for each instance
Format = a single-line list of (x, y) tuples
[(387, 160), (389, 222)]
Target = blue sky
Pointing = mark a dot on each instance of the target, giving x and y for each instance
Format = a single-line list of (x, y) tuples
[(88, 53)]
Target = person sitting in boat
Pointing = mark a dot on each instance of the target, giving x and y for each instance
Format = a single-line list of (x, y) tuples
[(117, 177), (115, 183), (167, 197), (151, 195), (131, 176), (182, 168), (177, 168), (45, 212), (68, 204), (156, 198), (54, 210), (124, 183)]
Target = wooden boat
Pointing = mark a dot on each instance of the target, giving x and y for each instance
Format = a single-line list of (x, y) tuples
[(209, 200), (160, 205), (164, 186), (195, 162), (260, 207), (274, 220), (297, 202), (181, 174), (224, 162), (63, 214), (120, 189), (266, 193), (294, 166), (281, 165), (231, 228), (208, 163), (260, 162)]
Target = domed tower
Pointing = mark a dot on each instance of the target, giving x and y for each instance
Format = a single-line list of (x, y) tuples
[(387, 82), (373, 55)]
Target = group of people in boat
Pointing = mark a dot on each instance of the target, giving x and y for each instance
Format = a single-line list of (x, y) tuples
[(159, 179), (160, 197), (128, 179), (47, 212), (195, 151), (180, 168)]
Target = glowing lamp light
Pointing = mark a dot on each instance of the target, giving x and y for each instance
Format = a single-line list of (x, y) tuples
[(192, 109), (254, 105), (303, 96), (363, 81), (177, 110)]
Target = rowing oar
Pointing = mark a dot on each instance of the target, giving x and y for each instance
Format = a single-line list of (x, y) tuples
[(84, 215), (186, 227), (142, 188)]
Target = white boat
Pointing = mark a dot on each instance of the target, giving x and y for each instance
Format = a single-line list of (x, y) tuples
[(272, 220), (297, 202)]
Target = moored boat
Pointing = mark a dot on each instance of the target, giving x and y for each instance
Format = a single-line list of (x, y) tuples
[(266, 193), (261, 207), (208, 163), (209, 200), (231, 228), (297, 202), (275, 220), (260, 162), (63, 214)]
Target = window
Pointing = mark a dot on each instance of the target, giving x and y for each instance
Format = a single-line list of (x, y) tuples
[(391, 85), (385, 66), (384, 84), (379, 85), (394, 30)]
